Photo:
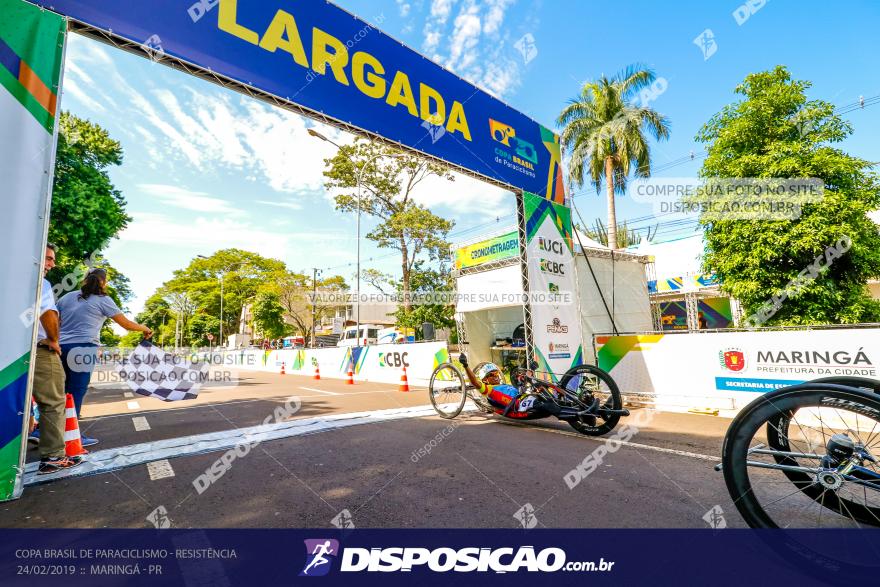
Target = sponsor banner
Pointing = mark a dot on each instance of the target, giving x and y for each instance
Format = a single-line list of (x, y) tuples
[(348, 555), (31, 54), (727, 369), (381, 362), (686, 282), (505, 246), (317, 55), (716, 313), (556, 328)]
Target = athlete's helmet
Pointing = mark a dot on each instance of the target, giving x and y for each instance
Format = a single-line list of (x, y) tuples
[(485, 369)]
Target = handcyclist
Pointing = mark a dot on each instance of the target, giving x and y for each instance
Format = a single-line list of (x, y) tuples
[(490, 383)]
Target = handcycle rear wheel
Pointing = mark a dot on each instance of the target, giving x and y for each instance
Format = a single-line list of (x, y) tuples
[(447, 390), (589, 383), (777, 460)]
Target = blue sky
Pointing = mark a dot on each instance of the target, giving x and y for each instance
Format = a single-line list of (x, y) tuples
[(207, 169)]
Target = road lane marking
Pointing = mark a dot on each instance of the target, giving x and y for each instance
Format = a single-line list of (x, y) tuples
[(112, 459), (320, 391), (140, 423), (160, 470), (605, 440), (133, 406)]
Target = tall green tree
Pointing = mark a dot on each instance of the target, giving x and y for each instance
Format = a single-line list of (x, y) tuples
[(388, 179), (604, 130), (429, 282), (774, 131), (243, 274), (87, 209), (269, 315)]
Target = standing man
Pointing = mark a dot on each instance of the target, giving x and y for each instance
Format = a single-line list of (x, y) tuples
[(49, 381)]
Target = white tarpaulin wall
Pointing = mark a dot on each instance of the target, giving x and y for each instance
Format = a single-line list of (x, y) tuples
[(383, 363), (726, 370), (625, 286), (499, 288)]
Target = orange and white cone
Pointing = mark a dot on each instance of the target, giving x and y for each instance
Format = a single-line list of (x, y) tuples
[(282, 368), (350, 380), (404, 382), (317, 372), (72, 439)]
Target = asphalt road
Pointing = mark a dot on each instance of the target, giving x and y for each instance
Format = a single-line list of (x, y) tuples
[(475, 471)]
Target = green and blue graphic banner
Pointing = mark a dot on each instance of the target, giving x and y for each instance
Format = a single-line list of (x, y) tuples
[(556, 324), (31, 53), (316, 55), (499, 248)]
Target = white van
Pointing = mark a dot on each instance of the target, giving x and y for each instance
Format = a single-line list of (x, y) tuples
[(369, 335)]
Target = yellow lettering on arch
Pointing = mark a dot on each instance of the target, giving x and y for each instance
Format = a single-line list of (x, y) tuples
[(436, 115), (370, 83), (401, 93), (321, 57), (283, 34), (226, 21), (458, 121)]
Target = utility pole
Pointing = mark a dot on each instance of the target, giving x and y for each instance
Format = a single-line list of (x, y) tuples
[(315, 273)]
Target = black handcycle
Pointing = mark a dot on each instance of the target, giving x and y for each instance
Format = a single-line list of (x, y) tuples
[(585, 396), (806, 456)]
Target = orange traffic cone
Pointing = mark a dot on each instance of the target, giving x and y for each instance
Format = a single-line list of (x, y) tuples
[(282, 368), (350, 380), (317, 372), (72, 440), (404, 382)]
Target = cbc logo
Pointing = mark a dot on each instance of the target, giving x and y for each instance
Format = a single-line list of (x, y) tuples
[(553, 267), (393, 359)]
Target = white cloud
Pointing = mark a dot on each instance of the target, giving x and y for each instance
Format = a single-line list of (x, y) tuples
[(465, 196), (179, 197), (71, 87), (479, 46), (282, 204)]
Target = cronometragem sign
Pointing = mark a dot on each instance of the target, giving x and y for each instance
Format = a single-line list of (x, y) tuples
[(315, 54)]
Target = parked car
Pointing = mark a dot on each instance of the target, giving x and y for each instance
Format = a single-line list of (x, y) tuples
[(294, 342), (368, 335)]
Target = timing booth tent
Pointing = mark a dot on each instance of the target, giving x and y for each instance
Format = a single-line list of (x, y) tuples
[(610, 292), (308, 56)]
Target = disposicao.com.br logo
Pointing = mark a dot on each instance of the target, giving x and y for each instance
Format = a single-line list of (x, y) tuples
[(444, 559)]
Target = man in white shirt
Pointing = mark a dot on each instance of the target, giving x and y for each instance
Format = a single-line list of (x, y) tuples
[(49, 381)]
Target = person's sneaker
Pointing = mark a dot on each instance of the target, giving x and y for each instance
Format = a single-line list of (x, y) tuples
[(34, 436), (55, 464), (88, 441)]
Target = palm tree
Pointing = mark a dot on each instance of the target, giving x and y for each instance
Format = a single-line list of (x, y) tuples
[(604, 130)]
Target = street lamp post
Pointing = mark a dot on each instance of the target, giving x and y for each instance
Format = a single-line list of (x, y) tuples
[(358, 177)]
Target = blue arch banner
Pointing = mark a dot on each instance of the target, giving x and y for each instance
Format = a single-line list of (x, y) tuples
[(318, 56)]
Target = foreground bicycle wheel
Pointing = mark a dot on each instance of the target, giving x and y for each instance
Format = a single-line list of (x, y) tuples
[(447, 390), (806, 457), (589, 383)]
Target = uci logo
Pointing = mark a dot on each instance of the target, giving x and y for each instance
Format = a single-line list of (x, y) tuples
[(554, 267), (504, 133), (393, 359), (551, 246)]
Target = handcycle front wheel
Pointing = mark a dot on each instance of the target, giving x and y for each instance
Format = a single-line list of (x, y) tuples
[(448, 390), (590, 383), (782, 464)]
